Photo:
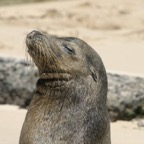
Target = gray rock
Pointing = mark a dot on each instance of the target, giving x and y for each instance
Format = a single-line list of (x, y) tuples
[(18, 79), (17, 82), (125, 97)]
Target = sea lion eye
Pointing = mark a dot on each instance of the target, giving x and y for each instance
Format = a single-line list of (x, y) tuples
[(69, 50)]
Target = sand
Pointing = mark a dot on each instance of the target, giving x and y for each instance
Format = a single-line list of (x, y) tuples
[(113, 28), (12, 119)]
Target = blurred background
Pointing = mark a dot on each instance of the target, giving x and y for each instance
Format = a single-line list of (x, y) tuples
[(114, 28)]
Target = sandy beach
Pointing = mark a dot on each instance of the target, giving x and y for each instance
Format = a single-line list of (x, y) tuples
[(12, 119), (114, 29)]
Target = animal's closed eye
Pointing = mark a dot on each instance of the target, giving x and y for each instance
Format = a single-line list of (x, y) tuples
[(69, 50)]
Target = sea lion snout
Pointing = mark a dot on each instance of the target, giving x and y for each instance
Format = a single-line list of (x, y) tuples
[(32, 34), (34, 42)]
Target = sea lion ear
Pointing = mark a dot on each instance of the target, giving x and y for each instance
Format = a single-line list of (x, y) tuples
[(93, 73)]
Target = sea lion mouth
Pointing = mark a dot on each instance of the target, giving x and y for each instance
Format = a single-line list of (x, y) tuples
[(55, 80), (56, 76)]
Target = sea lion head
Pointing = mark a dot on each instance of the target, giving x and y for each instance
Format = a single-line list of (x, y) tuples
[(62, 61)]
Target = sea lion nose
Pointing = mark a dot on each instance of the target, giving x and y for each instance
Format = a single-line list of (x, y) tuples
[(32, 34)]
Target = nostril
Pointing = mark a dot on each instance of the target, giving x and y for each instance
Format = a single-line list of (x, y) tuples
[(32, 34)]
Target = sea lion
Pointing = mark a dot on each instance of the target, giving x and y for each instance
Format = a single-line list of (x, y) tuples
[(69, 105)]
